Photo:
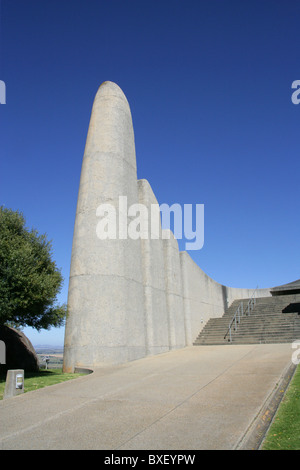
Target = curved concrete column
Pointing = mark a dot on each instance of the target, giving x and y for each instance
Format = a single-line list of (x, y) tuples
[(177, 336), (105, 322), (156, 315)]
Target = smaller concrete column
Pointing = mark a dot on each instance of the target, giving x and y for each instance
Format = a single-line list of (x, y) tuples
[(14, 383)]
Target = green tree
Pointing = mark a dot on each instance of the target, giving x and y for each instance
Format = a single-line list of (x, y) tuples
[(29, 278)]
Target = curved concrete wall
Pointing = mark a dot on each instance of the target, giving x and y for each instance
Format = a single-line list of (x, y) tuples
[(205, 298), (129, 298)]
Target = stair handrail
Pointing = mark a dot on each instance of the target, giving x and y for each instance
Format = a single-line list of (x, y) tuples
[(239, 313)]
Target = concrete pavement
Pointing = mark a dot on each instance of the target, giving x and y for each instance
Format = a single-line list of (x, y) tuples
[(204, 397)]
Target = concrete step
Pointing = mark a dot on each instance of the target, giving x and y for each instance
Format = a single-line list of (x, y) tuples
[(266, 323)]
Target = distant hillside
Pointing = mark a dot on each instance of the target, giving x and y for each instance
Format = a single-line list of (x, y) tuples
[(48, 349)]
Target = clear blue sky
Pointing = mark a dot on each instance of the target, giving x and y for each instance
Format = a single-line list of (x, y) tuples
[(209, 85)]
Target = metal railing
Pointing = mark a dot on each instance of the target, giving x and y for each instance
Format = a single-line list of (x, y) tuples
[(239, 313)]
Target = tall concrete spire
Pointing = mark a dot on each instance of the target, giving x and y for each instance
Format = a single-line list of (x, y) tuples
[(105, 300)]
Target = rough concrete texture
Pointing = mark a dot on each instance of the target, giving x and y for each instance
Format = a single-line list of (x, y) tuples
[(129, 298), (205, 397), (106, 311)]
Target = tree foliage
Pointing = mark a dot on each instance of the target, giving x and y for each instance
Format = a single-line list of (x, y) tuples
[(29, 279)]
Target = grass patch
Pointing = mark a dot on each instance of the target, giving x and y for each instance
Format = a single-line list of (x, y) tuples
[(284, 433), (41, 379)]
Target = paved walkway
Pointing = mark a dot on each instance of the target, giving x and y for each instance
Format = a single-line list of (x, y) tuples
[(203, 397)]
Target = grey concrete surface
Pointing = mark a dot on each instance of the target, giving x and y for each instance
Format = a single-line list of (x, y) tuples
[(204, 397)]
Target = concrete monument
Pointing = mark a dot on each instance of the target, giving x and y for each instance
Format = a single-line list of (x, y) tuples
[(128, 297)]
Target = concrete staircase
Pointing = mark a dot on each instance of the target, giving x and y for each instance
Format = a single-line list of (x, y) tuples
[(273, 320)]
